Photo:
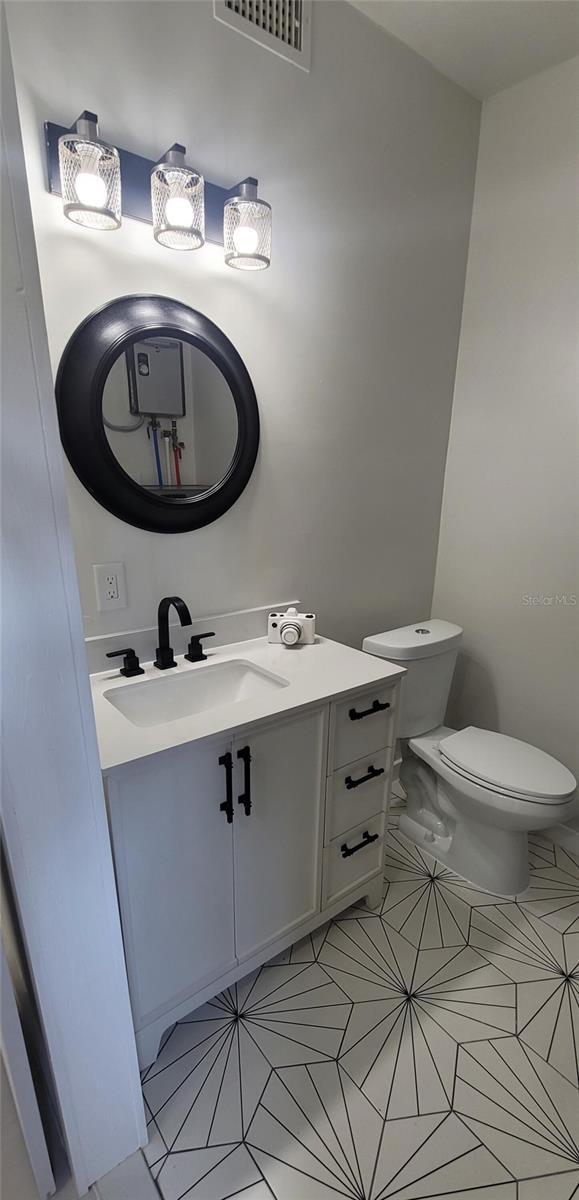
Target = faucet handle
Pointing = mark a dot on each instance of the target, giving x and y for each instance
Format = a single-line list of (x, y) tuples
[(130, 665), (195, 649)]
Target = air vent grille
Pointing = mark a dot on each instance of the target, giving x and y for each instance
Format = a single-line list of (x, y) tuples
[(283, 26), (280, 18)]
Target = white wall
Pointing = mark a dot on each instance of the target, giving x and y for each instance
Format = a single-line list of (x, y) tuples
[(54, 825), (510, 524), (350, 337), (211, 433)]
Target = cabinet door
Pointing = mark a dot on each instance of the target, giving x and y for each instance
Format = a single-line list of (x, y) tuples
[(173, 851), (277, 846)]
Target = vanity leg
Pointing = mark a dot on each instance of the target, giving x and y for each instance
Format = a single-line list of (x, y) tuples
[(373, 896)]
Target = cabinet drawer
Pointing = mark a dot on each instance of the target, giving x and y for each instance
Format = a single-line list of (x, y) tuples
[(355, 793), (362, 725), (352, 858)]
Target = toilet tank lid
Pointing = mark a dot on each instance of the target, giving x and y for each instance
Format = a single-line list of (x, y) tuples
[(424, 639)]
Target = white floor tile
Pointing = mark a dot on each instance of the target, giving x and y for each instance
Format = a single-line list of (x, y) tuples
[(553, 892), (426, 1051), (524, 1111), (543, 964), (560, 1187)]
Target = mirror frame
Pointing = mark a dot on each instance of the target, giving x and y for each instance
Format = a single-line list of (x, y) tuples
[(85, 364)]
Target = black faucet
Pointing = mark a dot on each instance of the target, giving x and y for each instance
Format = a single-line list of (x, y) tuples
[(164, 657)]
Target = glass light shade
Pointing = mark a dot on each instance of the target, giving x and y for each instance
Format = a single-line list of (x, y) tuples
[(90, 176), (178, 202), (247, 230)]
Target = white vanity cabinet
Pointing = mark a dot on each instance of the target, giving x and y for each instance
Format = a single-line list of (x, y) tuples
[(173, 853), (227, 849), (277, 846), (199, 892)]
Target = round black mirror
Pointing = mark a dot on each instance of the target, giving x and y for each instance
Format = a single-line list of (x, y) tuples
[(157, 412)]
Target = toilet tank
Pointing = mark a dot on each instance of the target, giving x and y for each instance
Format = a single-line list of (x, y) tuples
[(428, 651)]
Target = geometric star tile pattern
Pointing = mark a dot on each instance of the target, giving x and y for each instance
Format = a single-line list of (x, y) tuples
[(526, 1112), (313, 1121), (412, 1010), (423, 1051), (207, 1082), (544, 965), (553, 894), (541, 851)]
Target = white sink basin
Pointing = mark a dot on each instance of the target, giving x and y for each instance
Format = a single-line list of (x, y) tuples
[(174, 696)]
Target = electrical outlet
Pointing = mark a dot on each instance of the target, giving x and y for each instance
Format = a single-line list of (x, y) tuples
[(110, 585)]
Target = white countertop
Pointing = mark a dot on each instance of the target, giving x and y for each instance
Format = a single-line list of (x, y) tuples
[(314, 674)]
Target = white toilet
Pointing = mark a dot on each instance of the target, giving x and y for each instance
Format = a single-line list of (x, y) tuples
[(472, 795)]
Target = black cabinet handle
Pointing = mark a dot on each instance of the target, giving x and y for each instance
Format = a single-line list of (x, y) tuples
[(226, 761), (376, 707), (367, 839), (373, 773), (245, 797)]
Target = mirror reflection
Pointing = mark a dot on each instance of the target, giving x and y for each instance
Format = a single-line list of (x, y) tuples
[(170, 417)]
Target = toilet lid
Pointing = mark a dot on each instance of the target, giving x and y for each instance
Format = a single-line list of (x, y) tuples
[(507, 763)]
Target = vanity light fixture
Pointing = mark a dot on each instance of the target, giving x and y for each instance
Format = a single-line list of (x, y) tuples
[(247, 229), (184, 209), (177, 202), (90, 173)]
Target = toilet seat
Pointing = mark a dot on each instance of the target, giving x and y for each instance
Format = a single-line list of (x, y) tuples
[(506, 765)]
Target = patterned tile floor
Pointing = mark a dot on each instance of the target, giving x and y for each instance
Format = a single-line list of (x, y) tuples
[(426, 1050)]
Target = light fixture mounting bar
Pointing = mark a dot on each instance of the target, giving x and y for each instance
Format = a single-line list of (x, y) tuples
[(136, 185)]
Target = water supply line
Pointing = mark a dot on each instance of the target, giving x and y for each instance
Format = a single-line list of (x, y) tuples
[(177, 448), (123, 428), (166, 435), (152, 428)]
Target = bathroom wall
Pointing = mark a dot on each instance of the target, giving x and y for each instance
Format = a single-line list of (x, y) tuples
[(508, 560), (350, 337)]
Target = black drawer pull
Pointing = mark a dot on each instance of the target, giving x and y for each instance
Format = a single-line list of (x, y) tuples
[(245, 797), (373, 773), (368, 712), (367, 839), (226, 806)]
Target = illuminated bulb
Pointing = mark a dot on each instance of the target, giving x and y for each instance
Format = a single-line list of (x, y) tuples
[(247, 229), (245, 239), (90, 176), (179, 212), (90, 189), (177, 202)]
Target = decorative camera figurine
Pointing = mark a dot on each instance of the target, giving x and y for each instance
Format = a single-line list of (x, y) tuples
[(292, 628)]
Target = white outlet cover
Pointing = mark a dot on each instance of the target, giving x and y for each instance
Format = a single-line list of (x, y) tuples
[(110, 583)]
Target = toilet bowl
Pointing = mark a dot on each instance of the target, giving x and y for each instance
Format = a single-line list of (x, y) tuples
[(472, 794), (475, 826)]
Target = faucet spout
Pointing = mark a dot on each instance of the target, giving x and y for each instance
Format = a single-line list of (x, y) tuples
[(165, 658)]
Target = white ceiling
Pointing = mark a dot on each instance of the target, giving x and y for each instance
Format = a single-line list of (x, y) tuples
[(483, 45)]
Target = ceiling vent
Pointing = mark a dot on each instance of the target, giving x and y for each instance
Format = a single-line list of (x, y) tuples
[(283, 26)]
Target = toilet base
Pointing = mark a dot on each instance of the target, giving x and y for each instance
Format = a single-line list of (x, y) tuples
[(493, 860), (480, 834)]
